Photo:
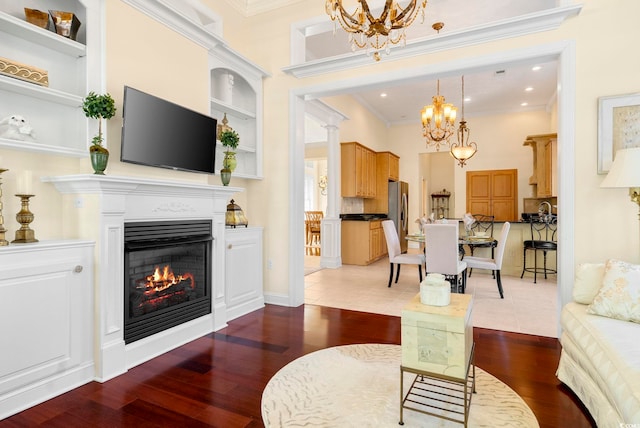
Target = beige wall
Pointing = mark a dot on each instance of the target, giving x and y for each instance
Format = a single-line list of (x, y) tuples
[(604, 67), (143, 54)]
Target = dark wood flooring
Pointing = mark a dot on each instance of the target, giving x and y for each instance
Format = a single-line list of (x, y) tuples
[(217, 380)]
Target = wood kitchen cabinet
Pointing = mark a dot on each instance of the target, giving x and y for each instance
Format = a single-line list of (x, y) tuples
[(363, 242), (387, 169), (358, 171), (543, 149), (493, 192)]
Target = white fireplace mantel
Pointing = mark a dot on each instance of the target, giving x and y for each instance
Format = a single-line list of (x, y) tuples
[(135, 199)]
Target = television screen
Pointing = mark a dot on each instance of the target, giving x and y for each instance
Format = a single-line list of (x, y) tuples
[(156, 132)]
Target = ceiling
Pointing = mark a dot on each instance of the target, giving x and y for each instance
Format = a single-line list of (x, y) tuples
[(492, 91)]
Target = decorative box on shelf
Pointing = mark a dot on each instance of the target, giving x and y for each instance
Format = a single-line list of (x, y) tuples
[(24, 72), (438, 339)]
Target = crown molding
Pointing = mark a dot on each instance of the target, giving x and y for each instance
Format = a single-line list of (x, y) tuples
[(188, 18), (537, 22)]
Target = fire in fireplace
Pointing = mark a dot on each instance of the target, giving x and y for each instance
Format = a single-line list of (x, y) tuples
[(167, 275)]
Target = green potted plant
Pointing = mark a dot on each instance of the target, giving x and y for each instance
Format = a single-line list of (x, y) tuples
[(98, 107), (229, 139)]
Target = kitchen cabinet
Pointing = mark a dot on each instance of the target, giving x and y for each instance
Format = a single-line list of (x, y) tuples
[(387, 169), (243, 271), (388, 165), (363, 242), (543, 146), (358, 171), (493, 192)]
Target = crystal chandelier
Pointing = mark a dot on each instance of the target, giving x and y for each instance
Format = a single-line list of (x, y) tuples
[(462, 151), (438, 121), (379, 33)]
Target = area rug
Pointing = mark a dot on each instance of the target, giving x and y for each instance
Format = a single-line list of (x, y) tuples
[(359, 386)]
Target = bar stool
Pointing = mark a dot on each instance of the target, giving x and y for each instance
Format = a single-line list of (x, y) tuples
[(543, 238)]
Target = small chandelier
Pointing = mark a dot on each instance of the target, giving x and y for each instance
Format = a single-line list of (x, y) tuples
[(322, 184), (438, 121), (379, 33), (462, 151)]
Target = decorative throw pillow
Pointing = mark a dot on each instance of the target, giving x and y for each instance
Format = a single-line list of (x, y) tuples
[(619, 296), (589, 278)]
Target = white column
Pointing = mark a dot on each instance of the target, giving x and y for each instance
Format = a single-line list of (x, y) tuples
[(330, 253)]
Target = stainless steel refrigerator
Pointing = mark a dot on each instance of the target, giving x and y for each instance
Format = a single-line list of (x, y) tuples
[(398, 209)]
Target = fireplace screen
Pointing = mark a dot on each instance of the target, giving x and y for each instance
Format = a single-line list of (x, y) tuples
[(167, 275)]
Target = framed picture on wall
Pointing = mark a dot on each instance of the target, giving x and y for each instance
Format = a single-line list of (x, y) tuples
[(618, 127)]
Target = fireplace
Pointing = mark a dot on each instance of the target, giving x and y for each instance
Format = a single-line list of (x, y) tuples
[(167, 275)]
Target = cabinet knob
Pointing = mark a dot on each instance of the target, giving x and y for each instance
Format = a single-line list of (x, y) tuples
[(77, 269), (230, 246)]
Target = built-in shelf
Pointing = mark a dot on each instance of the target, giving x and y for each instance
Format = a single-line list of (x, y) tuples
[(228, 108), (24, 30), (28, 146), (40, 92), (246, 149), (74, 68)]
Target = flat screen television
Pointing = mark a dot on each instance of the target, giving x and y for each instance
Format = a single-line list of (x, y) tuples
[(159, 133)]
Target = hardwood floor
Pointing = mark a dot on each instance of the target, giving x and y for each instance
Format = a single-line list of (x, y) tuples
[(217, 380)]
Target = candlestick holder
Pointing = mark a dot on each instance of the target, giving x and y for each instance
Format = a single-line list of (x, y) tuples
[(3, 242), (25, 217)]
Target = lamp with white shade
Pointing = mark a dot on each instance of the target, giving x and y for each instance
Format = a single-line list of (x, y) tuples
[(625, 172)]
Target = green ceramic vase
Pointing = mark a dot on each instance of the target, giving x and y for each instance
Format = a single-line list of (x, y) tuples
[(225, 176), (99, 158)]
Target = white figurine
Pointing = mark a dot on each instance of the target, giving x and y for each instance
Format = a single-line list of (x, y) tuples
[(16, 127)]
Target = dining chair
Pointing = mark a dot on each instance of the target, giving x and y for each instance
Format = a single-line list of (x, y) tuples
[(543, 238), (493, 264), (312, 223), (483, 223), (396, 257), (443, 254)]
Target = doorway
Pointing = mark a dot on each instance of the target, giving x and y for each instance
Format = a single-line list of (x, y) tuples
[(563, 52)]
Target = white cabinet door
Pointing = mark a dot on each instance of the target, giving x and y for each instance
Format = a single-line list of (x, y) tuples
[(46, 321), (243, 271)]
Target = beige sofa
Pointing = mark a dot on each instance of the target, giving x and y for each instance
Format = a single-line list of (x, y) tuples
[(600, 339)]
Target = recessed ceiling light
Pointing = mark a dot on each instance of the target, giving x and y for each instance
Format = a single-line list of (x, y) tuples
[(536, 68), (524, 104), (383, 95), (528, 89)]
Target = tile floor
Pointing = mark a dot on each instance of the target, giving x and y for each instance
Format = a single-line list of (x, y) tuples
[(526, 308)]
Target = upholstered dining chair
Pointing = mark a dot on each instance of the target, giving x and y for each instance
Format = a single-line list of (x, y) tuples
[(395, 253), (443, 254), (493, 264)]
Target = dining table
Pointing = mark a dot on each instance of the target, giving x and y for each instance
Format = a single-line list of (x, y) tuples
[(470, 241)]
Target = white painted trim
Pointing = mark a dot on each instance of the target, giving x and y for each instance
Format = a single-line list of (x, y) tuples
[(296, 199), (169, 15), (549, 19), (566, 174), (564, 52)]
